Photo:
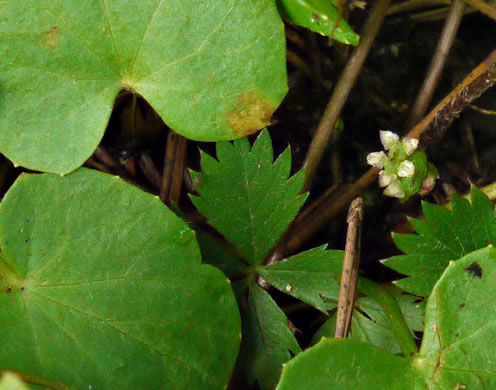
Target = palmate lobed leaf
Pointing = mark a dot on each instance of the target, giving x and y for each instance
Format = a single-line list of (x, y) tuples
[(213, 70), (455, 352), (444, 235), (252, 200), (101, 287), (247, 197)]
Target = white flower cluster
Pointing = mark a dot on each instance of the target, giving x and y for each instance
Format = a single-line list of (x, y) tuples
[(406, 168)]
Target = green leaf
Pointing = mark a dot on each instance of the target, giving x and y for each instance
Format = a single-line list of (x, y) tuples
[(455, 353), (267, 340), (460, 322), (213, 70), (217, 253), (248, 198), (320, 16), (344, 364), (312, 276), (444, 235), (101, 286), (370, 325)]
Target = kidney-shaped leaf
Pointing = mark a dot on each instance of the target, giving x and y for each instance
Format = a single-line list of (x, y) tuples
[(101, 287), (456, 351), (213, 70)]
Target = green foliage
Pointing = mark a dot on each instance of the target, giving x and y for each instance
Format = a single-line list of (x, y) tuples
[(251, 200), (311, 276), (320, 16), (268, 340), (212, 70), (97, 282), (370, 324), (444, 235), (247, 197), (460, 319)]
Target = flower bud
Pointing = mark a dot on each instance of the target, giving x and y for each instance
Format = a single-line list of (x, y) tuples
[(394, 190), (385, 178), (388, 138), (406, 169), (377, 159), (409, 144)]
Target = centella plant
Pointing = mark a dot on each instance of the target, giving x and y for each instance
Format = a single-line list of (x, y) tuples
[(405, 170)]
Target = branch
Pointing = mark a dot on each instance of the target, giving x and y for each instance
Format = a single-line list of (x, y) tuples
[(342, 90)]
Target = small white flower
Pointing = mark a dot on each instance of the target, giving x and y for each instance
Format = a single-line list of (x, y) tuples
[(409, 144), (386, 179), (406, 169), (377, 159), (388, 138), (394, 190)]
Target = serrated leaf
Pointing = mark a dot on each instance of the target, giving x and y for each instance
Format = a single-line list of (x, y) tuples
[(101, 287), (455, 352), (310, 276), (370, 325), (246, 197), (213, 70), (267, 341), (445, 235)]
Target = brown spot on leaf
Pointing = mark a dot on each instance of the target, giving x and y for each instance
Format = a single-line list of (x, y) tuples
[(51, 37), (250, 114), (475, 270)]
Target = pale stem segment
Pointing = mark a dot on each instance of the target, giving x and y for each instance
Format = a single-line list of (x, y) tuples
[(349, 276)]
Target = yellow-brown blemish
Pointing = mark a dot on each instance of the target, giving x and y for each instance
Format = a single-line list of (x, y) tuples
[(51, 37), (250, 114)]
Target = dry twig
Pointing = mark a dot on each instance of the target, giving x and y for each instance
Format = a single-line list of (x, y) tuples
[(342, 90), (436, 66), (349, 276), (429, 131)]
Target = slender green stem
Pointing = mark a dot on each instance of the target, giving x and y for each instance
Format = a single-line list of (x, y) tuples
[(395, 317)]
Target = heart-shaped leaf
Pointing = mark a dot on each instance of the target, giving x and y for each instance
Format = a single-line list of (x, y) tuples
[(101, 287), (213, 70)]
